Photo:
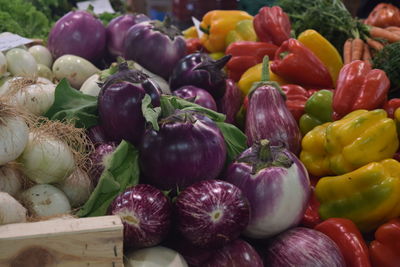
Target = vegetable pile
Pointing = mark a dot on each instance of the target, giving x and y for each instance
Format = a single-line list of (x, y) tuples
[(266, 140)]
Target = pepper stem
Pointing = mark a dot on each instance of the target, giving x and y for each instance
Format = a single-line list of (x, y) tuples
[(167, 21), (265, 154), (265, 70)]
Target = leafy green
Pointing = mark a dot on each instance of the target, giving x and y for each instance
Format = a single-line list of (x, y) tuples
[(73, 105), (31, 22), (106, 17), (150, 113), (328, 17), (53, 9), (388, 60), (235, 140), (121, 172)]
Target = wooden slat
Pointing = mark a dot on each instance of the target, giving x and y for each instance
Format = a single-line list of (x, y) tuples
[(86, 242)]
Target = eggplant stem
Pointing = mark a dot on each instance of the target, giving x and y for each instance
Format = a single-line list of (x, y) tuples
[(220, 63), (264, 153)]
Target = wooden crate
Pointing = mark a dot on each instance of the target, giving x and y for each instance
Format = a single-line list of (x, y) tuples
[(95, 241)]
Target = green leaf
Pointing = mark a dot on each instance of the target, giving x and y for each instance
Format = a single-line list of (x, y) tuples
[(150, 114), (235, 140), (121, 172), (71, 104), (168, 101)]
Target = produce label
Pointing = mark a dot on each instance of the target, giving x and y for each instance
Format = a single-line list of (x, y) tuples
[(11, 40), (99, 6)]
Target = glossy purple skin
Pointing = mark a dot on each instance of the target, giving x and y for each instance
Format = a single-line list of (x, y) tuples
[(97, 135), (238, 253), (185, 72), (196, 95), (211, 213), (120, 110), (231, 102), (153, 50), (303, 247), (182, 152), (99, 158), (146, 215), (278, 196), (268, 117), (78, 33), (117, 29)]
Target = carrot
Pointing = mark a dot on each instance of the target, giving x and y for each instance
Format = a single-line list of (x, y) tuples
[(347, 51), (366, 54), (374, 44), (377, 32), (357, 47)]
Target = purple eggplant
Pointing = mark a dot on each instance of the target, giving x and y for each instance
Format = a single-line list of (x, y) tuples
[(97, 135), (120, 104), (78, 33), (117, 29), (303, 247), (211, 213), (155, 45), (146, 215), (196, 95), (238, 253), (276, 184), (268, 117), (200, 70), (188, 148), (99, 159), (231, 102)]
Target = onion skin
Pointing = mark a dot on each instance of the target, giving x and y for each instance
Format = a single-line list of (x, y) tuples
[(238, 253), (188, 148), (145, 213), (14, 138), (278, 195), (154, 257), (303, 247), (11, 211), (211, 213), (78, 33), (3, 64), (196, 95), (154, 50), (268, 117), (117, 29)]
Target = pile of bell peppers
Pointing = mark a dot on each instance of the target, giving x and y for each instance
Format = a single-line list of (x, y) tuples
[(350, 129)]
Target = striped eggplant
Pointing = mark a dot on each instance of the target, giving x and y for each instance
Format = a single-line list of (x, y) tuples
[(276, 184), (303, 247)]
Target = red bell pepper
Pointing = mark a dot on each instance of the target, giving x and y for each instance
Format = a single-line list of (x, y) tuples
[(297, 64), (391, 106), (385, 249), (349, 240), (245, 55), (359, 87), (296, 98), (272, 25), (193, 45), (311, 216)]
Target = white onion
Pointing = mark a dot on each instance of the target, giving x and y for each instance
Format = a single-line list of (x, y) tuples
[(11, 211), (46, 159), (10, 180), (45, 200), (13, 138), (3, 64), (45, 72), (155, 257), (75, 69), (42, 55), (35, 98), (77, 187), (21, 63), (90, 86)]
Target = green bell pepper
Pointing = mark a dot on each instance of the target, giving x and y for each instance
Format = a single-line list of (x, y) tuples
[(318, 110), (244, 31)]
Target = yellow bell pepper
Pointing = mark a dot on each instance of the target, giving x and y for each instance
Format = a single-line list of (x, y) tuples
[(369, 196), (190, 32), (217, 24), (324, 50), (342, 146), (244, 31), (252, 75), (217, 55)]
